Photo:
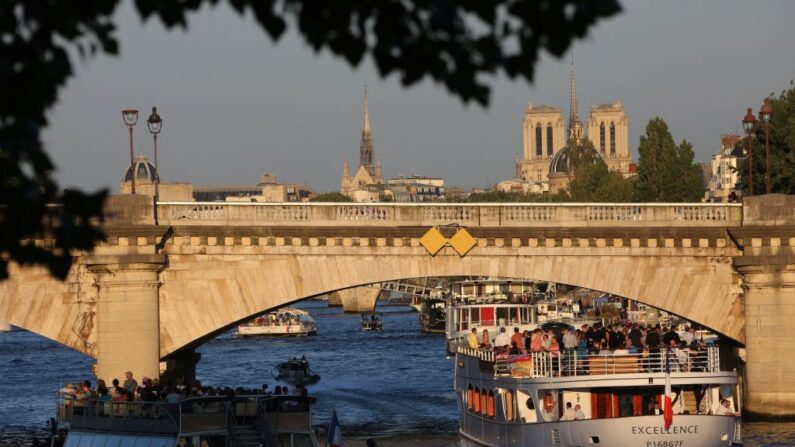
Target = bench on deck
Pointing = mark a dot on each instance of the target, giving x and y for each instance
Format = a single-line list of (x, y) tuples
[(623, 364)]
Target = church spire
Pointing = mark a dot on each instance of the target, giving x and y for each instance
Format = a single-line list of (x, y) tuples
[(575, 125), (574, 116), (366, 144), (366, 125)]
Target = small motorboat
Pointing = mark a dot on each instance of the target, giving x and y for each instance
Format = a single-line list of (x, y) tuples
[(373, 321), (295, 372), (286, 322)]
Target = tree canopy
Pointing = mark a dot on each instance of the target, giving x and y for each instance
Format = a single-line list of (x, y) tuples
[(595, 183), (458, 44), (666, 171), (781, 144)]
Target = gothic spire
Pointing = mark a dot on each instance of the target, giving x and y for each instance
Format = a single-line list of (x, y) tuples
[(366, 125), (366, 158), (574, 116)]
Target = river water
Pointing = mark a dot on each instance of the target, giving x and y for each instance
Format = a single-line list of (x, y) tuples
[(396, 385)]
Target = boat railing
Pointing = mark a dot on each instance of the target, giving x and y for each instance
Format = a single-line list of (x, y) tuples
[(189, 416), (572, 363)]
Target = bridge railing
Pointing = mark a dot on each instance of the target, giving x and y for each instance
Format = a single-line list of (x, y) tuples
[(474, 215)]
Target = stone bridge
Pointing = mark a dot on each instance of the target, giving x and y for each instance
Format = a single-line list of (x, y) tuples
[(152, 293)]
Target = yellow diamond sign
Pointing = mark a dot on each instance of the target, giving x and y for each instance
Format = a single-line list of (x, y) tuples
[(433, 241), (462, 242)]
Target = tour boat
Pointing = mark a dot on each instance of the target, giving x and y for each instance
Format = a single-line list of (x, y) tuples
[(285, 322), (432, 316), (493, 304), (373, 322), (296, 372), (240, 421), (614, 399)]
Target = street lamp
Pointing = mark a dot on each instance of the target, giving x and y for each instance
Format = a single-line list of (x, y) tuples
[(155, 124), (765, 113), (749, 121), (130, 117)]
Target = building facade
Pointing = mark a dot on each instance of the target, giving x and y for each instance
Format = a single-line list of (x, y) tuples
[(608, 131), (367, 183), (724, 179), (545, 134), (416, 189)]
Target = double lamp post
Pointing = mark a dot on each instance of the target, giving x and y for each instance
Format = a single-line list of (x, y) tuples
[(749, 124), (155, 124)]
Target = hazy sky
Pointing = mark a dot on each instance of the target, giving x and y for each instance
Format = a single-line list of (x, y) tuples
[(234, 104)]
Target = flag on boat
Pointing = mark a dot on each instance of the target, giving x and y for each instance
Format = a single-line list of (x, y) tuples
[(668, 411), (334, 438)]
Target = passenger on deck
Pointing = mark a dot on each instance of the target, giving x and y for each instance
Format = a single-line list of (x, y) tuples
[(514, 349), (568, 414), (536, 341), (472, 339), (502, 340), (669, 335), (517, 338), (725, 409), (689, 335), (485, 340), (569, 339), (636, 338), (578, 414), (130, 384)]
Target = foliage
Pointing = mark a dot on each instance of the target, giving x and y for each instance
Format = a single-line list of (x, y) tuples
[(781, 144), (454, 43), (666, 171), (578, 154), (333, 196), (595, 183)]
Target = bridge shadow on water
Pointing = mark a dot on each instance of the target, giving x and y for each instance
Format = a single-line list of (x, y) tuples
[(397, 381)]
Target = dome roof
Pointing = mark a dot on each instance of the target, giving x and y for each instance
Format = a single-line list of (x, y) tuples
[(567, 159), (144, 171)]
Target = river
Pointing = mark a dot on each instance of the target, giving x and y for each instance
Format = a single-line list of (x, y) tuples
[(395, 385)]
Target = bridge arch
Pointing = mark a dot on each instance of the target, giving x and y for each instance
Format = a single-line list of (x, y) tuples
[(210, 296)]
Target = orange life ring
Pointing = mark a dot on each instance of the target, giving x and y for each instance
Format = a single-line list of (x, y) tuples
[(548, 403)]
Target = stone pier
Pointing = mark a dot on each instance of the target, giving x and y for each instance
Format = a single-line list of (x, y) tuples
[(359, 299), (768, 271), (127, 314)]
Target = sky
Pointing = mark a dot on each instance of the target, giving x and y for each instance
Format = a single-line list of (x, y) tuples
[(235, 104)]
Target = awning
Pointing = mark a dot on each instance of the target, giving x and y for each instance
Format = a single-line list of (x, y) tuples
[(91, 439)]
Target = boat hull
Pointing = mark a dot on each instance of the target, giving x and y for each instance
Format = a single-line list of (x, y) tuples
[(635, 431), (264, 331)]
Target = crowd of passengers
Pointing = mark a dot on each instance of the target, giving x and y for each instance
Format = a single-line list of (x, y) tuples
[(77, 396), (620, 338)]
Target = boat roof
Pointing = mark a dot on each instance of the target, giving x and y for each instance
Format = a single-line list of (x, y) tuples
[(291, 310), (78, 438), (495, 281)]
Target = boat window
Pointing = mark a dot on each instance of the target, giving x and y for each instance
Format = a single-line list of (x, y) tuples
[(510, 406), (475, 317), (530, 404), (476, 400), (487, 316), (484, 404), (490, 404), (470, 398)]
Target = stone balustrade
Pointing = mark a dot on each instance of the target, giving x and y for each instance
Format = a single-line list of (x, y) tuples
[(475, 215)]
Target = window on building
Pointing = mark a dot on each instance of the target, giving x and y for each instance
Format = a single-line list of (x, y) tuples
[(549, 139), (602, 137), (612, 139), (539, 148)]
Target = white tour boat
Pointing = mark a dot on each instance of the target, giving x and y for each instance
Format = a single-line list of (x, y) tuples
[(240, 421), (614, 399), (285, 322)]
